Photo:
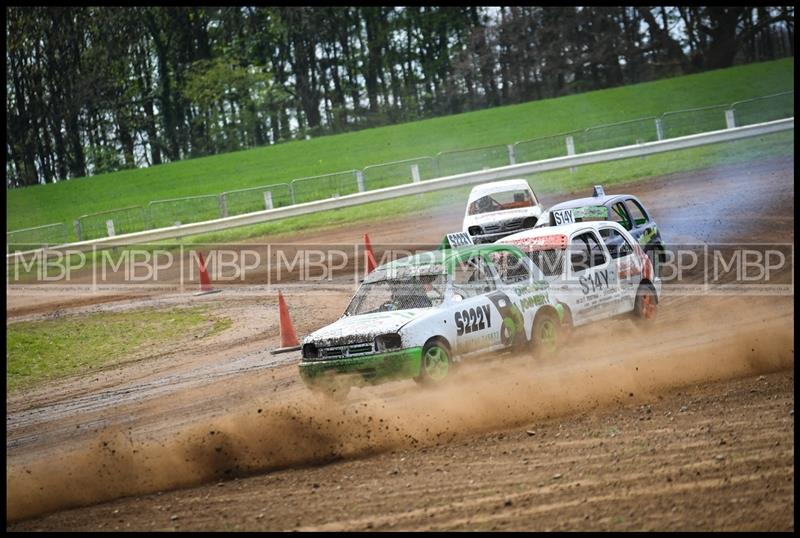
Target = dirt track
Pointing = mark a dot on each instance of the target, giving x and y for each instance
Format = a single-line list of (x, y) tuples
[(158, 413)]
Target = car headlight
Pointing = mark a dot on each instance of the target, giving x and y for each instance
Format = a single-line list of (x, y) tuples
[(386, 342), (310, 351), (474, 230), (529, 222)]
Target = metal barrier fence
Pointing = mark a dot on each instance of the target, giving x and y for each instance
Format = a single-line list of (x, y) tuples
[(693, 121), (761, 109), (112, 222), (545, 147), (626, 153), (378, 176), (176, 211), (468, 160), (36, 237), (624, 133), (162, 213), (256, 199), (307, 189)]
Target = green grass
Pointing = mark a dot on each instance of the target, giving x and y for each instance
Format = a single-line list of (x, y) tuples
[(613, 175), (65, 201), (40, 350), (609, 174)]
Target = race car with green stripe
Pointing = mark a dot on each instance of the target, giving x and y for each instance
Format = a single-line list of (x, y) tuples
[(597, 270), (624, 209), (418, 317)]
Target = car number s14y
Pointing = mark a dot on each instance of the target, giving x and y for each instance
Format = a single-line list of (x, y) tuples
[(563, 216)]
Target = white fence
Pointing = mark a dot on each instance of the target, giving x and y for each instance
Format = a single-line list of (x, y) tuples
[(459, 180), (201, 208)]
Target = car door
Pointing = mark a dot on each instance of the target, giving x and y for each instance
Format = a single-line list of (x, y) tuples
[(518, 294), (643, 228), (592, 278), (476, 319), (625, 264)]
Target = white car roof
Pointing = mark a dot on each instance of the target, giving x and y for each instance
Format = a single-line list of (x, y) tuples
[(564, 229), (497, 186)]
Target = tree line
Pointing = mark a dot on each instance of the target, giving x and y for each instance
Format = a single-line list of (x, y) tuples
[(97, 89)]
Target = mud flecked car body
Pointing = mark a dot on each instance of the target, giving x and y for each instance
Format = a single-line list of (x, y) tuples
[(597, 270), (500, 208), (417, 317), (624, 209)]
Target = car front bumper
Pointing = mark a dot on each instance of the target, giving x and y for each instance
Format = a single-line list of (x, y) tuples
[(400, 364)]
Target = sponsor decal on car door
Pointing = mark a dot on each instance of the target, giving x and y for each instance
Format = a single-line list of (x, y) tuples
[(475, 317), (625, 259), (593, 280)]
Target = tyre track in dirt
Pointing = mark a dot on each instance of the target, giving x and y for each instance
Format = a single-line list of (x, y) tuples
[(661, 469), (685, 323)]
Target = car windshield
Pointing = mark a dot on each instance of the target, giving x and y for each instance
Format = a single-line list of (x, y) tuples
[(500, 201), (418, 291)]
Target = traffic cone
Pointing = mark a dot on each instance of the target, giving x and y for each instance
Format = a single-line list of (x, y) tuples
[(288, 337), (369, 261), (205, 282)]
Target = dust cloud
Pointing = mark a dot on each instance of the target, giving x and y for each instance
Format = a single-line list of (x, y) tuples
[(611, 364)]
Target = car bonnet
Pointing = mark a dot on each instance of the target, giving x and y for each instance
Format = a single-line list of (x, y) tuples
[(364, 327)]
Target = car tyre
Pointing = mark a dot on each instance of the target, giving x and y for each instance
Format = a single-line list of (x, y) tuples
[(436, 364), (645, 307), (546, 335)]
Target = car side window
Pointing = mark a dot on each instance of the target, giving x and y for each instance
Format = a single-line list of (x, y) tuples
[(620, 215), (586, 252), (637, 212), (597, 255), (471, 278), (579, 253), (510, 267), (616, 243)]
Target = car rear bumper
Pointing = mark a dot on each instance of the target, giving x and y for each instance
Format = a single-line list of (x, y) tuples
[(401, 364)]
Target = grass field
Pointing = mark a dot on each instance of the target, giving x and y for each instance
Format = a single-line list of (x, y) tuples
[(64, 202), (612, 175), (49, 349)]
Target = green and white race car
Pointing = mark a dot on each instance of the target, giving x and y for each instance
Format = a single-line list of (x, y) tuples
[(419, 316)]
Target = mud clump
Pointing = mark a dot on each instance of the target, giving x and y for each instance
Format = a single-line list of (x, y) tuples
[(601, 368)]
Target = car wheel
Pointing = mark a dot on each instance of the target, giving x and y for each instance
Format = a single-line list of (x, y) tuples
[(435, 365), (646, 305), (546, 334)]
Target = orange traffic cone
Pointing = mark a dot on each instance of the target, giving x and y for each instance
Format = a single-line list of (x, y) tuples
[(369, 261), (288, 337), (205, 282)]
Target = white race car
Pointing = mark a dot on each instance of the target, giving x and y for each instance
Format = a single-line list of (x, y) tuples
[(596, 269), (418, 316), (497, 209)]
